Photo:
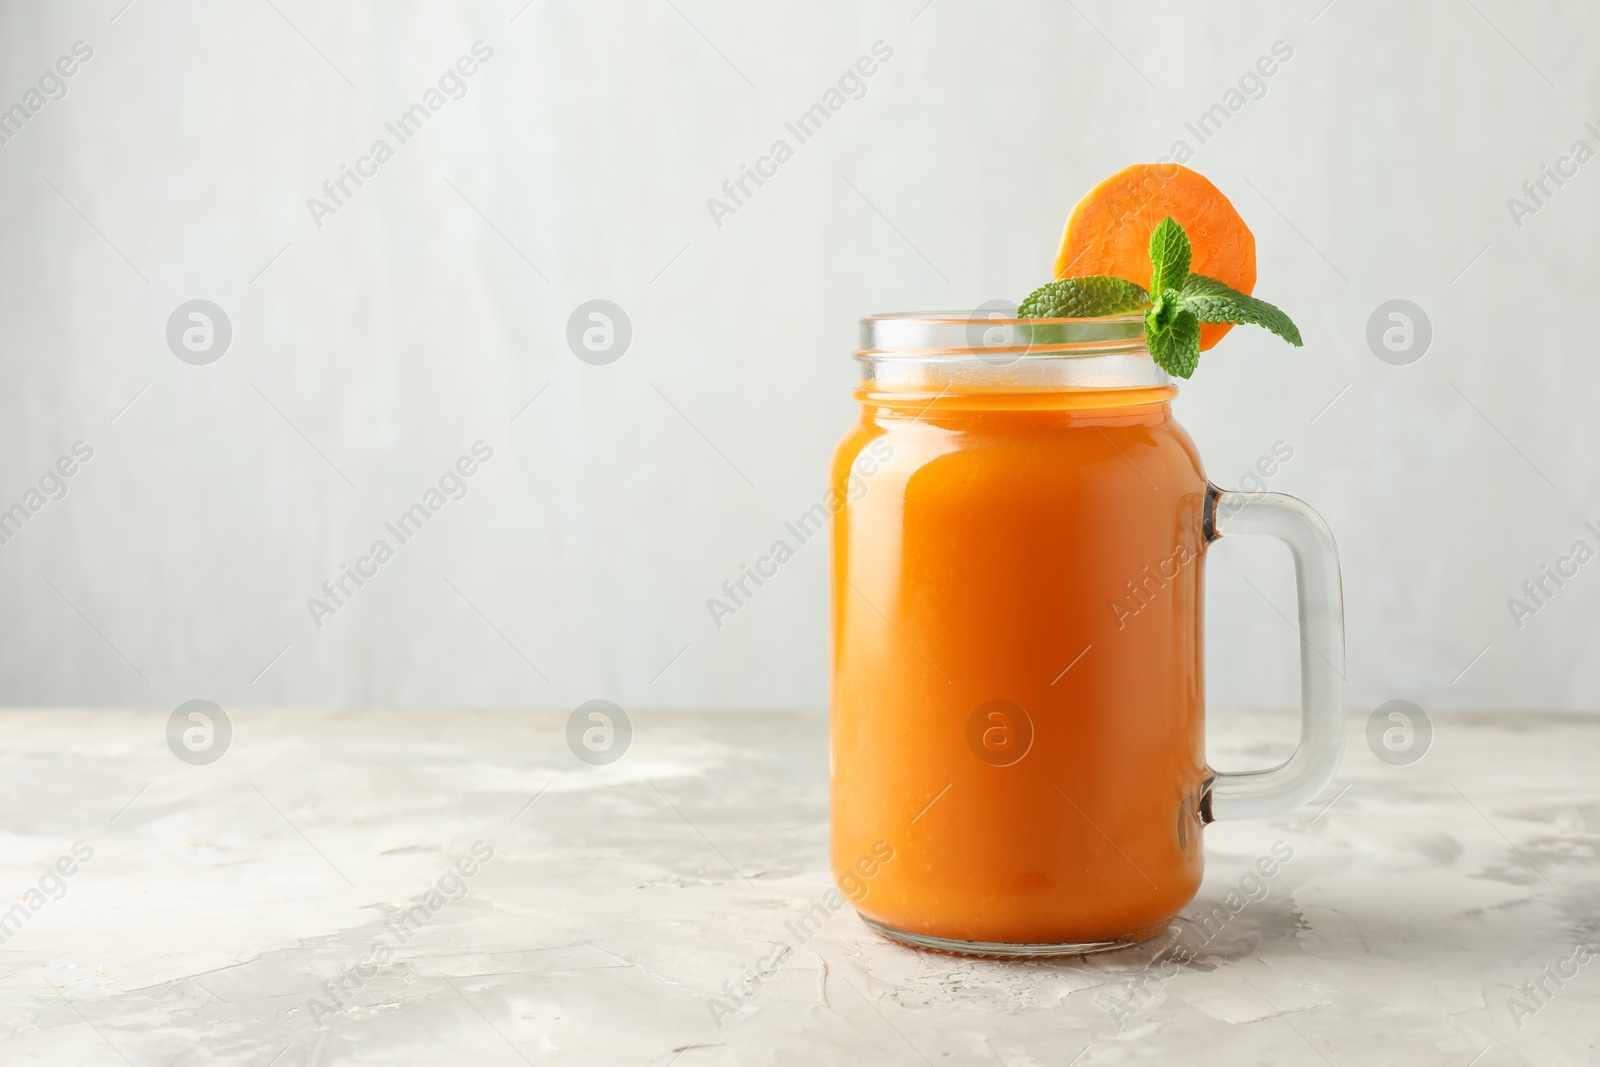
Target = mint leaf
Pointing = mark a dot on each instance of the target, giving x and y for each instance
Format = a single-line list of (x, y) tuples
[(1214, 301), (1169, 256), (1083, 298), (1172, 334), (1175, 342)]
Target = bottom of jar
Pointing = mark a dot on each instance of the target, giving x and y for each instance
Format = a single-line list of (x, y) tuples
[(1007, 950)]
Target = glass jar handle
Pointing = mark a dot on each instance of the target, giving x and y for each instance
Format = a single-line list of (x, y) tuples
[(1256, 794)]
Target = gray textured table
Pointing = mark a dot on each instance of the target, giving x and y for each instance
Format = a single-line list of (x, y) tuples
[(325, 893)]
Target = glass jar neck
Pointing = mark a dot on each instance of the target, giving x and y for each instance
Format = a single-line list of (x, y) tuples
[(982, 360)]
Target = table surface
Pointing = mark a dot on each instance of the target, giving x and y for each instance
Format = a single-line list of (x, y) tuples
[(212, 911)]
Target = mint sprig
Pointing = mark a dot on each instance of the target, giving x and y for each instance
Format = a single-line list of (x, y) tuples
[(1177, 303)]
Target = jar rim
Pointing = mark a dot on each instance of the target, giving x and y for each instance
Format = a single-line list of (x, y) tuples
[(990, 346), (961, 334)]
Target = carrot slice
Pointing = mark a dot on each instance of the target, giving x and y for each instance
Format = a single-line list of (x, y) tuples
[(1109, 231)]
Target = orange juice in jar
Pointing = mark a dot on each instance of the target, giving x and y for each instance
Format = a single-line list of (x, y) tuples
[(1017, 700)]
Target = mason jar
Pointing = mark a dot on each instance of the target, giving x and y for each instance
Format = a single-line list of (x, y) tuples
[(1017, 708)]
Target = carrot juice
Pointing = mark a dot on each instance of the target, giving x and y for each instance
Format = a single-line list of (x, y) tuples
[(1017, 700)]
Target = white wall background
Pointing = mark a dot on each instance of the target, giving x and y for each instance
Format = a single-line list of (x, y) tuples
[(425, 314)]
